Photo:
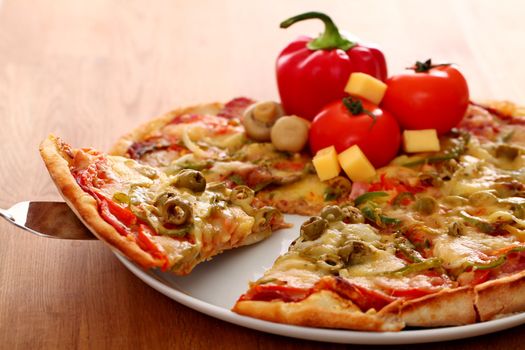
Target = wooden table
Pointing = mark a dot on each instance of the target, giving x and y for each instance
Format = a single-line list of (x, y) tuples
[(92, 70)]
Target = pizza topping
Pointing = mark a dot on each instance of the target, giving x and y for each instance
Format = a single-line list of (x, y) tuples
[(313, 228), (426, 205), (420, 141), (193, 180), (243, 197), (326, 163), (235, 108), (259, 118), (290, 133)]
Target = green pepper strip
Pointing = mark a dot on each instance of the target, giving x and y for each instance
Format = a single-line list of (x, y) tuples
[(409, 253), (481, 224), (373, 214), (497, 262), (369, 196), (428, 264)]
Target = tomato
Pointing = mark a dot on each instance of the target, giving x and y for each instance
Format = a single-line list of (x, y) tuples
[(427, 97), (269, 292), (378, 136)]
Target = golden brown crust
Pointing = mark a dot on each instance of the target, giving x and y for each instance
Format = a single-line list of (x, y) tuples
[(321, 309), (153, 126), (85, 206), (501, 297), (449, 307)]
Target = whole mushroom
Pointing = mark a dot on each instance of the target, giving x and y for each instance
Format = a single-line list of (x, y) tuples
[(290, 133), (259, 118)]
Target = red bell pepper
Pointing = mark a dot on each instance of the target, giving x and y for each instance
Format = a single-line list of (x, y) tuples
[(313, 72)]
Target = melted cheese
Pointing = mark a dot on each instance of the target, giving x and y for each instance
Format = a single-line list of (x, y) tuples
[(473, 248), (380, 261), (209, 234)]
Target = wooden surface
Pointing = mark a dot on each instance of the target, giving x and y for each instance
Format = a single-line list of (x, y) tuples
[(92, 70)]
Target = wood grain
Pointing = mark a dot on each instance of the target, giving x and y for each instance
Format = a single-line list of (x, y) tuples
[(92, 70)]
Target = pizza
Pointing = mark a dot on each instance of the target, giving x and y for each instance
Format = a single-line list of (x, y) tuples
[(212, 139), (435, 240), (415, 194), (171, 221)]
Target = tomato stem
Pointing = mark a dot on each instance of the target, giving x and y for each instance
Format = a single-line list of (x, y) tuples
[(423, 67), (355, 106)]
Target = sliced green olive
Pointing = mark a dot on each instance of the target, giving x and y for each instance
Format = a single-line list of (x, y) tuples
[(507, 152), (430, 179), (313, 228), (482, 199), (352, 215), (290, 134), (242, 195), (259, 118), (265, 218), (426, 205), (456, 229), (330, 262), (332, 213), (174, 210), (353, 252), (191, 179)]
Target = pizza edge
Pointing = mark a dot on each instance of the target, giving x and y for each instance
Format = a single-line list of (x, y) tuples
[(448, 307), (325, 309), (120, 148), (85, 206)]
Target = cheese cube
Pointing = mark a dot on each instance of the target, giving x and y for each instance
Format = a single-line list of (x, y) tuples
[(355, 164), (420, 141), (326, 164), (366, 86)]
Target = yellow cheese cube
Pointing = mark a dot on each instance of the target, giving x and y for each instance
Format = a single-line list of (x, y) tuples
[(355, 164), (420, 141), (326, 164), (366, 86)]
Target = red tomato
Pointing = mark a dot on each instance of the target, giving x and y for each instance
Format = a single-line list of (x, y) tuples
[(379, 139), (436, 98)]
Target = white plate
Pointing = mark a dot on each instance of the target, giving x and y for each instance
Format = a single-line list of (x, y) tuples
[(213, 287)]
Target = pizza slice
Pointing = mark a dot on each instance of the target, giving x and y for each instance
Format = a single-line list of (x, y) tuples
[(344, 273), (212, 139), (168, 220)]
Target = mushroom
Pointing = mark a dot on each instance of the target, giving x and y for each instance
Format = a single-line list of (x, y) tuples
[(290, 133), (259, 118)]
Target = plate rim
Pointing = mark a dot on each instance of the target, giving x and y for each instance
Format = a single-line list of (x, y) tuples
[(321, 334)]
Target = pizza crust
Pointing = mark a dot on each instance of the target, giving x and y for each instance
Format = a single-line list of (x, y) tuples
[(501, 297), (449, 307), (52, 150), (322, 309), (151, 127)]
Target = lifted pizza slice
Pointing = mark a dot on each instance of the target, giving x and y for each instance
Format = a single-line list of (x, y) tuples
[(171, 221)]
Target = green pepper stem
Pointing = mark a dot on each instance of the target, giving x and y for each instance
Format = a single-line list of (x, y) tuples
[(329, 39)]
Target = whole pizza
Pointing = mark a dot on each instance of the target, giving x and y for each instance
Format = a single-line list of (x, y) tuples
[(413, 196)]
